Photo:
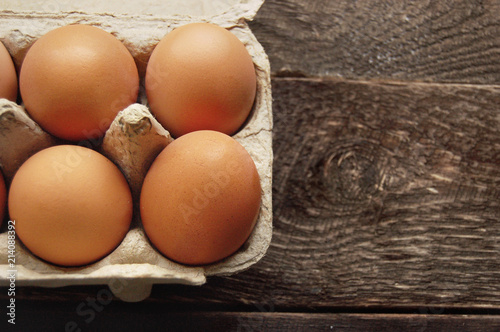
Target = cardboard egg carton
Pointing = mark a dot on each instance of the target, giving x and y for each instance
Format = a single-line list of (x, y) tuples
[(134, 139)]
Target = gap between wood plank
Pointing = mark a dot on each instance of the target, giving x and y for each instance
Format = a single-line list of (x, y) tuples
[(144, 319)]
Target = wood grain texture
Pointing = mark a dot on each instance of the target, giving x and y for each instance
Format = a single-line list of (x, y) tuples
[(391, 189), (153, 318), (385, 196), (435, 41)]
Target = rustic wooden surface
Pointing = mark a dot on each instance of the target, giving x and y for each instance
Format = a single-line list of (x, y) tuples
[(128, 318), (435, 41), (386, 185)]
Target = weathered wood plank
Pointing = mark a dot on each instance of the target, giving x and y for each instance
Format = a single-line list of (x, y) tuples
[(119, 317), (439, 41), (392, 190), (385, 196)]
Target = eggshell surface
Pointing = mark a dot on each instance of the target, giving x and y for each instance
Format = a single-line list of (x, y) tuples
[(75, 79), (72, 206), (201, 198), (8, 76), (200, 77)]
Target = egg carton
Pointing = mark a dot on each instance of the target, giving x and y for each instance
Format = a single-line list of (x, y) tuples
[(134, 138)]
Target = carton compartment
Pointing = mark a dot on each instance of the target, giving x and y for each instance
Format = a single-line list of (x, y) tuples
[(132, 142)]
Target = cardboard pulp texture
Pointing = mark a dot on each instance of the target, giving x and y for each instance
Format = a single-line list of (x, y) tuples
[(134, 139)]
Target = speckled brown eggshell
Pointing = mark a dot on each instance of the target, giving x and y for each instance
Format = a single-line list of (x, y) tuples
[(8, 76), (75, 79), (72, 206), (201, 198), (200, 77)]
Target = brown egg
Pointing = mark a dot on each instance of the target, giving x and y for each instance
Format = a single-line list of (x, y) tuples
[(200, 76), (75, 79), (3, 198), (72, 206), (201, 198), (8, 76)]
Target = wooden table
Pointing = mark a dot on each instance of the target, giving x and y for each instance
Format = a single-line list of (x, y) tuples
[(386, 183)]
